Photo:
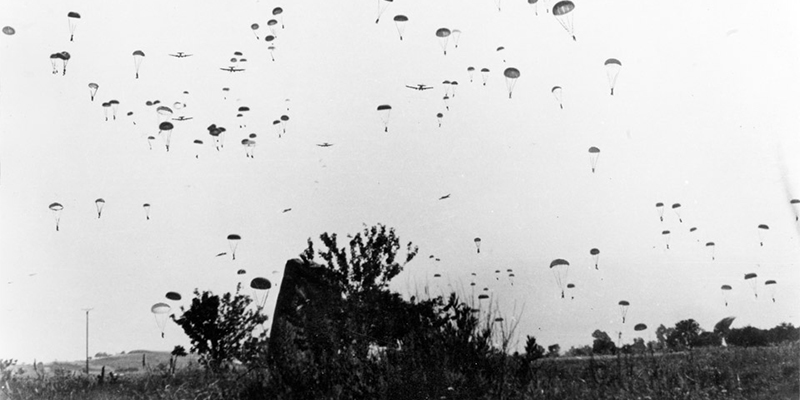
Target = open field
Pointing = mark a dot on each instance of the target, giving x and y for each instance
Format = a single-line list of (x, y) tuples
[(129, 363), (717, 373)]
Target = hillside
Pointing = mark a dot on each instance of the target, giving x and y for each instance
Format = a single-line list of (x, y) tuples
[(129, 363)]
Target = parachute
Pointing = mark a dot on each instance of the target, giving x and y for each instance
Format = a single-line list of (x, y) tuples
[(99, 204), (249, 147), (594, 154), (478, 244), (571, 286), (56, 208), (795, 203), (560, 268), (723, 327), (595, 256), (563, 11), (499, 49), (711, 249), (160, 311), (770, 284), (166, 128), (272, 27), (72, 19), (164, 113), (444, 100), (284, 121), (382, 5), (639, 327), (752, 278), (146, 207), (666, 234), (175, 296), (535, 7), (384, 110), (138, 56), (725, 289), (660, 209), (612, 70), (254, 28), (443, 34), (93, 90), (150, 141), (53, 58), (199, 143), (456, 35), (241, 272), (470, 71), (106, 107), (233, 242), (64, 57), (511, 75), (485, 75), (9, 30), (623, 309), (260, 288), (400, 22), (762, 231), (557, 93), (453, 86), (677, 208), (114, 107), (439, 117)]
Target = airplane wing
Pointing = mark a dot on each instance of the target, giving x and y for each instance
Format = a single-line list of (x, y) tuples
[(221, 254), (411, 87), (287, 210), (426, 87), (447, 196)]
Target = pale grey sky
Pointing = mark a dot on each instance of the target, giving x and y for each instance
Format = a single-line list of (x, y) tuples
[(704, 114)]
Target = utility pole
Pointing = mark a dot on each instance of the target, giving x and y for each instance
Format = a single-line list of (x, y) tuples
[(87, 338)]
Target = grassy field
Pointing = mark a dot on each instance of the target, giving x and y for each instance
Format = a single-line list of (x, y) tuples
[(129, 363), (717, 373)]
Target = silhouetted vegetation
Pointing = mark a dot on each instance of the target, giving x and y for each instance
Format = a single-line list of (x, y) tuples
[(342, 334)]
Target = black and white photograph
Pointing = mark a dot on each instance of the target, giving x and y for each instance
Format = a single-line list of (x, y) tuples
[(399, 199)]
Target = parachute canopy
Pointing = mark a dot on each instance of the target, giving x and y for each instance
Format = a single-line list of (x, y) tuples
[(563, 7), (750, 275), (160, 308), (624, 303), (726, 287), (9, 30), (639, 327), (56, 207), (173, 296), (594, 252), (260, 283)]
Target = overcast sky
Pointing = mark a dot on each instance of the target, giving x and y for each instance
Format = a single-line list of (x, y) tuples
[(704, 114)]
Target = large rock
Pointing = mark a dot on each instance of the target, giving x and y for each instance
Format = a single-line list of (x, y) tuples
[(308, 304)]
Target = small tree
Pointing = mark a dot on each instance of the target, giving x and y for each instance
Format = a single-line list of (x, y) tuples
[(368, 263), (218, 327), (533, 351), (685, 335), (602, 343), (178, 351), (553, 350)]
